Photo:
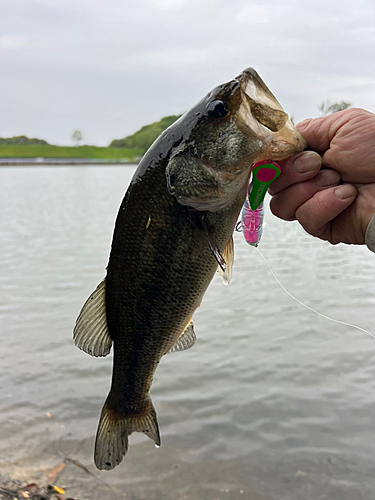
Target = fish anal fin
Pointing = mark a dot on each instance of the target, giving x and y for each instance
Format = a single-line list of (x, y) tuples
[(114, 430), (91, 330), (186, 339), (228, 256)]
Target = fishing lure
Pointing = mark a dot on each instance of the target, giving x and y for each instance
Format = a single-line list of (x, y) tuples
[(252, 215)]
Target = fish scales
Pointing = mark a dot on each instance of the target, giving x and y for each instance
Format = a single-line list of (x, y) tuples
[(156, 276), (173, 231)]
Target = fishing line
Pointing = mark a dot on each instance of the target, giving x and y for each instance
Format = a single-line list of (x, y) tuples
[(308, 307)]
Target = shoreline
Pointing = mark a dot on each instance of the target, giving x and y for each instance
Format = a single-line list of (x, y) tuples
[(14, 162)]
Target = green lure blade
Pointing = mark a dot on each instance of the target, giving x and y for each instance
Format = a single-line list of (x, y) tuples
[(264, 173)]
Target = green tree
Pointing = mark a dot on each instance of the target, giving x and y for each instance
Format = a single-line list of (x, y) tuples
[(77, 137), (22, 140), (326, 108)]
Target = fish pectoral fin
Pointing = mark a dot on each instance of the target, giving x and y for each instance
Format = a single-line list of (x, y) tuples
[(213, 246), (228, 256), (186, 339), (114, 430), (91, 330)]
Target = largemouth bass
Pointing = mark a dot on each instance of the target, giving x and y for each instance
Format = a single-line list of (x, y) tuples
[(173, 231)]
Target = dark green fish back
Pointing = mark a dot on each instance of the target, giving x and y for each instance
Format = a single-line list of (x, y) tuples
[(173, 227)]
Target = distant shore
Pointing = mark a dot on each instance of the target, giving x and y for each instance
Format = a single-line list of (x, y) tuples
[(40, 153), (22, 150), (40, 162)]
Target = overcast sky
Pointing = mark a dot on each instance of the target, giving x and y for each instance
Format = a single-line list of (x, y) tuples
[(108, 67)]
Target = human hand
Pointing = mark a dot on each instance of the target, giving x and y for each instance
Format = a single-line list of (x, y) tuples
[(337, 203)]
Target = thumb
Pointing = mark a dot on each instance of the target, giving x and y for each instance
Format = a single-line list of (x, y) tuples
[(319, 132)]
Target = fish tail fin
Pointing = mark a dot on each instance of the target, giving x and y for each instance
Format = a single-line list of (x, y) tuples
[(114, 430)]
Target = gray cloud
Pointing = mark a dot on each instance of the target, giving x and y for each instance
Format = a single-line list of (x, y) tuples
[(110, 67)]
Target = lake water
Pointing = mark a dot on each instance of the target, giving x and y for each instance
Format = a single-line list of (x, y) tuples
[(273, 402)]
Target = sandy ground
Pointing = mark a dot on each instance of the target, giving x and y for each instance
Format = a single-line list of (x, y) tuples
[(68, 479)]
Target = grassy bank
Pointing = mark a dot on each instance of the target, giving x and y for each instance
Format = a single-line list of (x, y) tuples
[(48, 151), (128, 149)]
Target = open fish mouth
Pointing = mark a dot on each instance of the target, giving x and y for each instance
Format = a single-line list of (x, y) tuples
[(262, 114), (241, 122)]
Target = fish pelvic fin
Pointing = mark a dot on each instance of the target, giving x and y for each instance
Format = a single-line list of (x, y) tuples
[(228, 256), (91, 330), (114, 430)]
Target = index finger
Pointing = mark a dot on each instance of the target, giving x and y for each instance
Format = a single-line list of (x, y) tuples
[(301, 167), (346, 142), (319, 132)]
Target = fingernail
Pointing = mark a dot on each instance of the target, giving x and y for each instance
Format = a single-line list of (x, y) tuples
[(345, 191), (327, 178), (307, 162)]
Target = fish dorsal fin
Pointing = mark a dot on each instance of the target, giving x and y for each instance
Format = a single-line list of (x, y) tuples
[(91, 330), (186, 340), (228, 256)]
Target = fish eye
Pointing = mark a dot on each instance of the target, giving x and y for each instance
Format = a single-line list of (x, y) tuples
[(217, 109)]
